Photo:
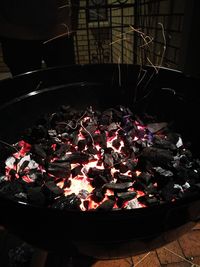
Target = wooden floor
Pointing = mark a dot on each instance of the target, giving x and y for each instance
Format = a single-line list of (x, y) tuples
[(183, 252)]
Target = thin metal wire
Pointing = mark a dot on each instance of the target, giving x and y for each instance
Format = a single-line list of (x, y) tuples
[(181, 257)]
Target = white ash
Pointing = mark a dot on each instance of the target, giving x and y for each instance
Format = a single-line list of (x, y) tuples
[(179, 143), (133, 204)]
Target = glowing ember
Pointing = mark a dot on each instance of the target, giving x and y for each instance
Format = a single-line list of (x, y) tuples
[(99, 161)]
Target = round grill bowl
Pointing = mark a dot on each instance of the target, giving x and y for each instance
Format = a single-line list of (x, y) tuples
[(169, 95)]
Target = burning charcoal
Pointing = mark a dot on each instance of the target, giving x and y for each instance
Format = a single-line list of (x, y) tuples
[(123, 168), (116, 143), (61, 149), (133, 204), (81, 145), (92, 150), (83, 194), (35, 196), (23, 166), (13, 175), (124, 196), (106, 205), (131, 164), (129, 141), (94, 172), (113, 126), (118, 186), (149, 201), (155, 127), (125, 151), (59, 169), (39, 151), (74, 138), (157, 156), (108, 160), (96, 138), (98, 194), (138, 185), (152, 159), (70, 202), (123, 178), (98, 181), (141, 143), (76, 171), (103, 141), (76, 157), (91, 128), (66, 184), (116, 156), (145, 177), (36, 176), (53, 188)]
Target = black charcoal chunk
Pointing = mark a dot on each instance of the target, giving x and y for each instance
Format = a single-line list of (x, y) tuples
[(163, 172), (35, 196), (116, 143), (145, 177), (148, 201), (118, 186), (59, 169), (76, 171), (169, 192), (53, 188), (108, 160), (163, 143), (157, 156), (131, 164), (107, 205), (38, 150), (76, 157), (81, 145), (123, 178), (156, 126), (126, 195), (98, 194), (70, 202), (61, 149)]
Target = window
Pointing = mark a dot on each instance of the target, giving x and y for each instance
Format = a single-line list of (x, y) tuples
[(96, 10)]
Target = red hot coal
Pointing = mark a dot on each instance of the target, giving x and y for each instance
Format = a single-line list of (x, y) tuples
[(99, 160)]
